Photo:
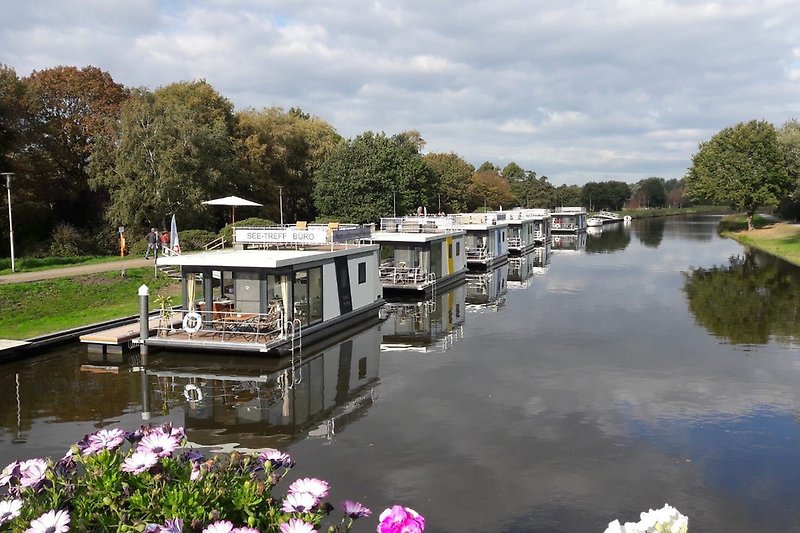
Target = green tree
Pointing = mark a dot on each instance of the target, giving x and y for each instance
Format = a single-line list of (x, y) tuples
[(789, 140), (487, 165), (605, 195), (373, 176), (453, 175), (283, 149), (513, 172), (566, 196), (170, 151), (742, 166), (650, 192)]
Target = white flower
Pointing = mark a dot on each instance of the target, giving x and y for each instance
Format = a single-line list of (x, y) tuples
[(9, 509)]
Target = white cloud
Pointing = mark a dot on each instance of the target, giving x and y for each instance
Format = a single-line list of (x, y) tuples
[(573, 90)]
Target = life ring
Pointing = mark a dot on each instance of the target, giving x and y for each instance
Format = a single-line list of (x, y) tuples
[(192, 393), (192, 323)]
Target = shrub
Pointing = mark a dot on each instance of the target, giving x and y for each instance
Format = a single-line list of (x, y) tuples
[(157, 485), (195, 239), (66, 241)]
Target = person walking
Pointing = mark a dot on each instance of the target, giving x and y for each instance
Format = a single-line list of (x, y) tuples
[(152, 244)]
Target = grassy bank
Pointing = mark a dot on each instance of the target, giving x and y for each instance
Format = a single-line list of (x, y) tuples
[(40, 307), (33, 264), (777, 238)]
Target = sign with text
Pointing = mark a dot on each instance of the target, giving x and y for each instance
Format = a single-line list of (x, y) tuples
[(288, 235)]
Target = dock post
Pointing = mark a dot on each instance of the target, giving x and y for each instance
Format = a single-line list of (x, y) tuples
[(144, 322)]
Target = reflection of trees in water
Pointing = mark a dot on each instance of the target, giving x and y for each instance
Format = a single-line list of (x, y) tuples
[(749, 301), (651, 231), (613, 239)]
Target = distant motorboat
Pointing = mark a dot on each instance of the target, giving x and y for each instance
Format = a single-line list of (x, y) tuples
[(602, 218), (594, 222)]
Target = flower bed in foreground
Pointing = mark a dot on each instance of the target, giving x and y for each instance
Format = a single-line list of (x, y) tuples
[(148, 481)]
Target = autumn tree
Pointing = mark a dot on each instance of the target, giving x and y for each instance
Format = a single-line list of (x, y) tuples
[(283, 149), (742, 166), (171, 150), (490, 190), (69, 109), (452, 174), (373, 176)]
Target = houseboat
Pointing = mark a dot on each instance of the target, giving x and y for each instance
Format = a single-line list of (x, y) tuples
[(568, 220), (527, 228), (431, 325), (419, 257), (279, 287), (486, 240)]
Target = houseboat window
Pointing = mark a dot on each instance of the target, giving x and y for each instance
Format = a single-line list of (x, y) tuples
[(362, 368), (194, 291), (301, 296), (436, 259), (315, 295), (503, 236), (458, 248), (387, 255), (362, 272), (227, 284)]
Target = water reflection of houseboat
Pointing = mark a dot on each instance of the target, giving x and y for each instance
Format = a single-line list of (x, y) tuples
[(278, 286), (431, 325), (527, 228), (418, 256), (487, 290), (568, 220), (260, 403), (575, 243), (520, 271), (541, 258)]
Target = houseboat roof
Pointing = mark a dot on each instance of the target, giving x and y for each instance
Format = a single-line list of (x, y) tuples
[(518, 215), (262, 258), (390, 236)]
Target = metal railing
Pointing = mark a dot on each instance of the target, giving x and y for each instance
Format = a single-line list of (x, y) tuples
[(403, 275), (218, 243), (227, 325)]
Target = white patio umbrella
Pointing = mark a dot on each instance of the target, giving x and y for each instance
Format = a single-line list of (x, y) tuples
[(232, 201)]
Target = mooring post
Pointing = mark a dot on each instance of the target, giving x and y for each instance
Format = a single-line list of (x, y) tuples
[(144, 322)]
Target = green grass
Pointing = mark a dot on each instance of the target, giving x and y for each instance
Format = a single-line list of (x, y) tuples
[(34, 264), (36, 308), (739, 222), (785, 244)]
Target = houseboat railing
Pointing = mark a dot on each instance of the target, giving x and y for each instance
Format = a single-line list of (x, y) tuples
[(224, 325), (477, 254), (514, 242), (431, 224), (404, 275)]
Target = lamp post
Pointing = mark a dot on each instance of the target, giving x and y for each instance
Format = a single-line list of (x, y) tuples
[(10, 223), (280, 194)]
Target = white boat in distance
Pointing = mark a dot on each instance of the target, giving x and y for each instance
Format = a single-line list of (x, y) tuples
[(602, 218)]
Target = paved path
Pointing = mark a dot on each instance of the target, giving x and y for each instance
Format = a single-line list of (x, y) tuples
[(80, 270)]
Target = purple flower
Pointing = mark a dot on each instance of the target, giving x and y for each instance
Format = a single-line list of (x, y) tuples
[(276, 457), (299, 502), (139, 461), (9, 509), (172, 525), (32, 472), (192, 455), (316, 487), (103, 440), (159, 444), (354, 509), (10, 472), (50, 522), (297, 526), (221, 526), (400, 519), (246, 529)]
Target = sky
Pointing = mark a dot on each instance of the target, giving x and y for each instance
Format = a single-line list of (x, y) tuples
[(576, 90)]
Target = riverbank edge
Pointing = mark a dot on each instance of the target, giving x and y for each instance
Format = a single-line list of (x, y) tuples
[(788, 236)]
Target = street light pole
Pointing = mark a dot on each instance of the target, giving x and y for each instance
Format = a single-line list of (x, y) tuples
[(280, 193), (10, 223)]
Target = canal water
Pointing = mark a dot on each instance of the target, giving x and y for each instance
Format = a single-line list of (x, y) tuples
[(595, 379)]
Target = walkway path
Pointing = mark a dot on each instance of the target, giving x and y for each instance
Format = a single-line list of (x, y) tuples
[(80, 270)]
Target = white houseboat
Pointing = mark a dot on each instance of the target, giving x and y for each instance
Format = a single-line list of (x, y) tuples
[(569, 220), (279, 287), (419, 257), (527, 228), (486, 240)]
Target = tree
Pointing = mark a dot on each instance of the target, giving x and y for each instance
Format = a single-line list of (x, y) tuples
[(373, 176), (513, 172), (282, 149), (491, 190), (742, 166), (650, 192), (533, 191), (452, 174), (69, 109), (789, 140), (605, 195), (566, 196), (170, 151), (487, 165)]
